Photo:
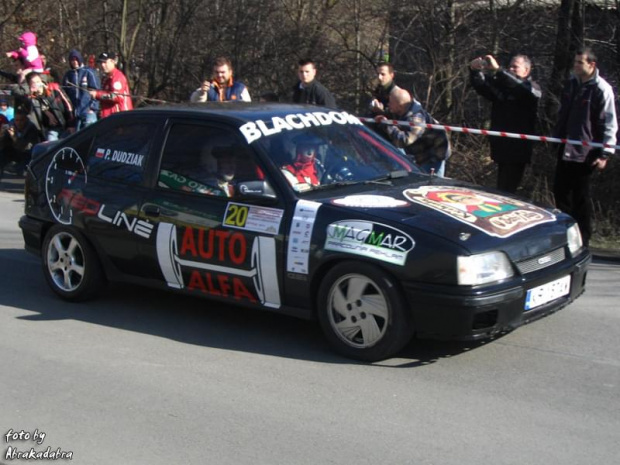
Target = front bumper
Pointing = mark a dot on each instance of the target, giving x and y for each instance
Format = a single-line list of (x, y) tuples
[(468, 314)]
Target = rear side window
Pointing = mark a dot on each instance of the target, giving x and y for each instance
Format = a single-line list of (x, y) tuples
[(120, 154)]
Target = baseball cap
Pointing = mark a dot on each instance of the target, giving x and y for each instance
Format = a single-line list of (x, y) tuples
[(105, 56)]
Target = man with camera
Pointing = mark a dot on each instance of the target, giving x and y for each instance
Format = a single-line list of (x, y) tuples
[(224, 87), (514, 101), (49, 108), (16, 141)]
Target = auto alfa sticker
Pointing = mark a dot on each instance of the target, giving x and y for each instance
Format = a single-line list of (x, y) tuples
[(369, 201), (219, 263), (254, 130), (373, 240), (300, 236), (495, 215), (253, 218)]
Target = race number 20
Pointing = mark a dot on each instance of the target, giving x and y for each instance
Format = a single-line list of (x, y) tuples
[(236, 215)]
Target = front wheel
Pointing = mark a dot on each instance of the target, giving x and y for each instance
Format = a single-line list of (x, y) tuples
[(70, 264), (363, 313)]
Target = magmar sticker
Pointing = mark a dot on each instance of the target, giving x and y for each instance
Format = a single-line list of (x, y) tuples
[(493, 214), (369, 239)]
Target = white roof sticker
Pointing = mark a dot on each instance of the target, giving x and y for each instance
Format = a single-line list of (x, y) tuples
[(254, 130)]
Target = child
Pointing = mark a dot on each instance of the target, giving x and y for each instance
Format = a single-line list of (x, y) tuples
[(28, 53)]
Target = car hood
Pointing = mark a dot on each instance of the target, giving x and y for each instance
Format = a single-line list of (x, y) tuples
[(472, 217)]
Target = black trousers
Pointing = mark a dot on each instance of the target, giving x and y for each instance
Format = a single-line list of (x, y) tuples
[(509, 176), (8, 155), (572, 193)]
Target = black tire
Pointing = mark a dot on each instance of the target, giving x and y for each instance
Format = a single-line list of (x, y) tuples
[(70, 264), (363, 313)]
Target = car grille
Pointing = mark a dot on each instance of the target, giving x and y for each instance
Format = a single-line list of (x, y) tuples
[(542, 261)]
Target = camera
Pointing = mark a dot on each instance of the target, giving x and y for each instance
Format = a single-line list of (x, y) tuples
[(483, 63)]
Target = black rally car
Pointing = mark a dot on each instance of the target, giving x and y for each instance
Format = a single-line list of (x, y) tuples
[(300, 210)]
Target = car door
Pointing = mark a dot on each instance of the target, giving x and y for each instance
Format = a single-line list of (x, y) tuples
[(218, 223), (116, 157)]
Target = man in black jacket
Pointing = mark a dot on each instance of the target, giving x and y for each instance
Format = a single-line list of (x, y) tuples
[(308, 89), (514, 97), (381, 93)]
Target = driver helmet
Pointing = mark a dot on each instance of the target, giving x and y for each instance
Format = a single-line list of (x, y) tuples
[(226, 162), (306, 148)]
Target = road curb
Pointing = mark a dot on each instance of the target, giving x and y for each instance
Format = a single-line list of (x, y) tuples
[(607, 255)]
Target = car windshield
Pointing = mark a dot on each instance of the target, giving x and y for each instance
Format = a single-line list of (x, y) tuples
[(327, 155)]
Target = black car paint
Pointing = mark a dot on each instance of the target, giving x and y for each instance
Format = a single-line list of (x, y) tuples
[(440, 307)]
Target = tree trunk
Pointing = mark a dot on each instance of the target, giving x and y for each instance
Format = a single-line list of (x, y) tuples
[(569, 38)]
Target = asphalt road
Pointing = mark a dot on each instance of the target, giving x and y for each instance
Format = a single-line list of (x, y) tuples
[(143, 377)]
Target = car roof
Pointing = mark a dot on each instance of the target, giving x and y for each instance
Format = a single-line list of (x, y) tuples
[(241, 111)]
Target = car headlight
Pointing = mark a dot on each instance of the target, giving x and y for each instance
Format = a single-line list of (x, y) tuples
[(483, 268), (573, 236)]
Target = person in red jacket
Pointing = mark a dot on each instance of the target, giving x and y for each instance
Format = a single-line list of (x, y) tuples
[(114, 94)]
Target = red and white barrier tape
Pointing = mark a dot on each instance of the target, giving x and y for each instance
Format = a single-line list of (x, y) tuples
[(484, 132)]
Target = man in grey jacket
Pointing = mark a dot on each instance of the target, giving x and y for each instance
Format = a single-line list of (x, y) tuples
[(587, 113)]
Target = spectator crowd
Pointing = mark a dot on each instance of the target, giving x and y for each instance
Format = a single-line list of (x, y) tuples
[(47, 107)]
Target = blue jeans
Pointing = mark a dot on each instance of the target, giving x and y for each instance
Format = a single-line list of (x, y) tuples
[(86, 120)]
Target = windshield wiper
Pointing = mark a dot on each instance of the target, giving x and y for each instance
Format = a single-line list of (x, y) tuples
[(338, 184), (383, 180), (386, 179)]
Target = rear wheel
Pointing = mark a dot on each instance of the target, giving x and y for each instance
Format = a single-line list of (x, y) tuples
[(363, 313), (70, 264)]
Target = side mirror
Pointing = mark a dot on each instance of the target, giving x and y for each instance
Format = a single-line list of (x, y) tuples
[(255, 190)]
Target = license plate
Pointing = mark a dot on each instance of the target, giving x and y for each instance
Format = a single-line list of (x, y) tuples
[(547, 292)]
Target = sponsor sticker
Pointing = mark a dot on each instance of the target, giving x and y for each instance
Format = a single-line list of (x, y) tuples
[(370, 201), (300, 236), (219, 263), (253, 218), (119, 156), (493, 214), (254, 130), (369, 239)]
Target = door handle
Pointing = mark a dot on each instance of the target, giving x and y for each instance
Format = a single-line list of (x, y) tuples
[(151, 210)]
